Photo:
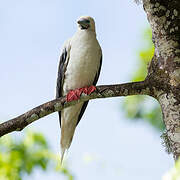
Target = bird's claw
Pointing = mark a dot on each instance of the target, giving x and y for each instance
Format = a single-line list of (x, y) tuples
[(75, 94)]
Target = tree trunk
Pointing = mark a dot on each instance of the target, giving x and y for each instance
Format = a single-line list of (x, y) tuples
[(164, 70)]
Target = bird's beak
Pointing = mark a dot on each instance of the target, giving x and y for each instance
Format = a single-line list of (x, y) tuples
[(84, 23)]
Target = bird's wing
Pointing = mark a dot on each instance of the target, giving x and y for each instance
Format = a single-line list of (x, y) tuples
[(94, 83), (64, 58), (98, 73)]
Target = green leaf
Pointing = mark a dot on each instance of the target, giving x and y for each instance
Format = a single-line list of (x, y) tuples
[(140, 107), (24, 155)]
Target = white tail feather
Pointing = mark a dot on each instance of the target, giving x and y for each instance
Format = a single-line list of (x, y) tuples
[(63, 150)]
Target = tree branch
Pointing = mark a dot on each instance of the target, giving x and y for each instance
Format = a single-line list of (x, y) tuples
[(105, 91)]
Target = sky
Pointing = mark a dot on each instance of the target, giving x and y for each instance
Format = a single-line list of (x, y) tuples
[(106, 145)]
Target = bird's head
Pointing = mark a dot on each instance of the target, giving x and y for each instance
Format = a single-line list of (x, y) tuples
[(86, 23)]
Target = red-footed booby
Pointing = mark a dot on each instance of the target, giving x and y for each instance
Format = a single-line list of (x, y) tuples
[(78, 72)]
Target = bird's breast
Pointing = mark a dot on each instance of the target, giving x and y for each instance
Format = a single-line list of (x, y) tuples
[(83, 64)]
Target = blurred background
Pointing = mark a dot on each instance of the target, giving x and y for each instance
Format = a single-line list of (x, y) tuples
[(117, 138)]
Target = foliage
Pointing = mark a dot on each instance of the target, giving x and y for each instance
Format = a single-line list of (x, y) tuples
[(174, 173), (142, 107), (20, 157)]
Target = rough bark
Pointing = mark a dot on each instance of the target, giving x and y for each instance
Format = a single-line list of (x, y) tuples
[(20, 122), (164, 18)]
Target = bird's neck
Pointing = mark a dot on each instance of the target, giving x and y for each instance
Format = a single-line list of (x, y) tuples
[(86, 32)]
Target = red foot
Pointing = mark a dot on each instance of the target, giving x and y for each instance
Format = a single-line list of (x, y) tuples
[(91, 89), (71, 96), (75, 94), (79, 91), (85, 90)]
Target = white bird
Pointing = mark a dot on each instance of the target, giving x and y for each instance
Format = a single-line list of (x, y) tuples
[(78, 72)]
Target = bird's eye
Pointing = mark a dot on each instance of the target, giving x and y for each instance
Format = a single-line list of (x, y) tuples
[(87, 21)]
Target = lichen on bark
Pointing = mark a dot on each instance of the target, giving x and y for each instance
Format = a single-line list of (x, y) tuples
[(164, 18)]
